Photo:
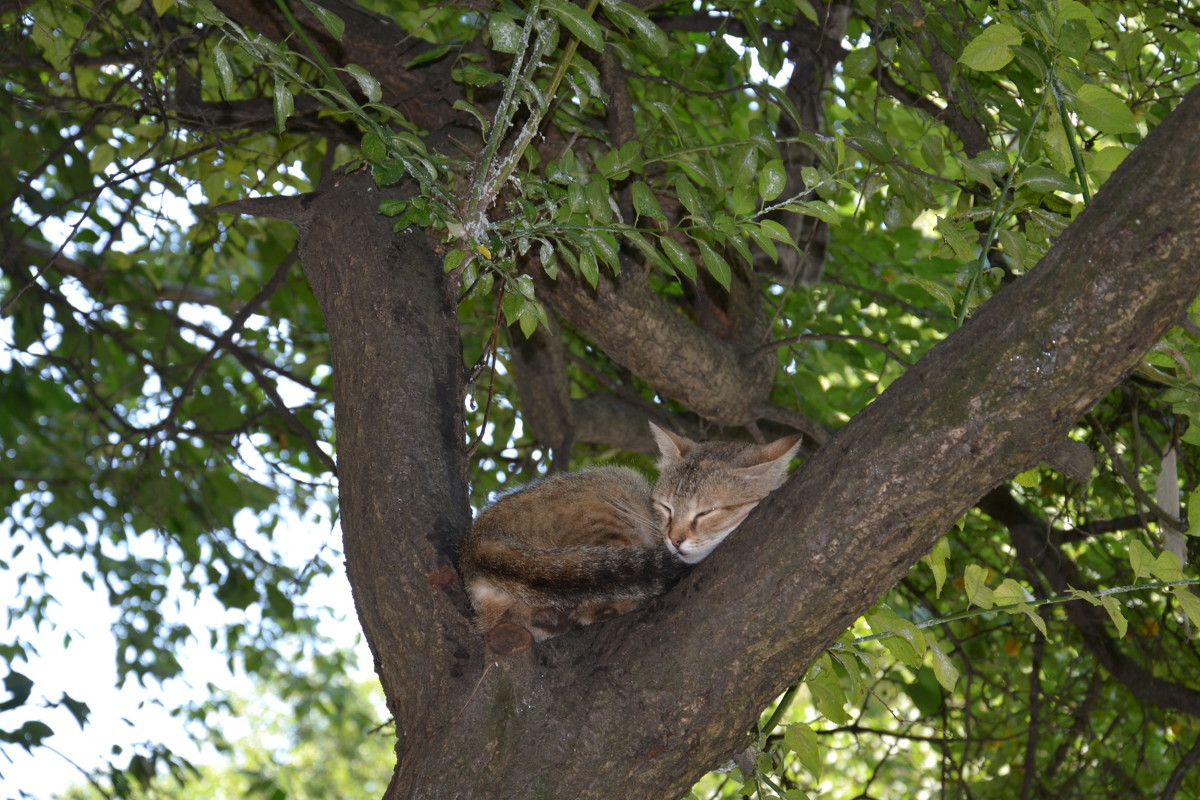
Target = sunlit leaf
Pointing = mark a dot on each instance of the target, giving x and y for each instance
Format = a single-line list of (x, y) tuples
[(576, 20), (1103, 110), (992, 48), (505, 33), (332, 22)]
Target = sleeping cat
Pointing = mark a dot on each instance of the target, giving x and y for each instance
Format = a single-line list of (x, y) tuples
[(576, 548)]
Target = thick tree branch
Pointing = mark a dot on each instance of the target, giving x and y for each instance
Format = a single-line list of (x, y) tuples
[(718, 379), (398, 395)]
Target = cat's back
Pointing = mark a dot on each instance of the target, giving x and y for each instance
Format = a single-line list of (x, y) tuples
[(597, 506)]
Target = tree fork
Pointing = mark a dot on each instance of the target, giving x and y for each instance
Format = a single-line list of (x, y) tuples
[(643, 705)]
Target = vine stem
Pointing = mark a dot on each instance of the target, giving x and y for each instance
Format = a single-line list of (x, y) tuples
[(1071, 134), (495, 174), (1025, 605), (998, 216)]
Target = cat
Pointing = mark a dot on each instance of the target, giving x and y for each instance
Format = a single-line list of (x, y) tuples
[(576, 548)]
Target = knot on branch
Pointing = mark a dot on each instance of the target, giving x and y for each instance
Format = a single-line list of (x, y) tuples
[(507, 639)]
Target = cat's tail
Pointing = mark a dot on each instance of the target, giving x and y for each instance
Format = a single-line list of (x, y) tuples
[(568, 577)]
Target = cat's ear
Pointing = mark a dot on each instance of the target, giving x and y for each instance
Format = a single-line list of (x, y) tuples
[(671, 447), (774, 460), (784, 449)]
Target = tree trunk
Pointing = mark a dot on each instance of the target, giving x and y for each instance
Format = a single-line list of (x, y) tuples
[(640, 707)]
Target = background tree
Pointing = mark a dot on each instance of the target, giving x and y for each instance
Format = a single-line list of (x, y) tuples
[(591, 216)]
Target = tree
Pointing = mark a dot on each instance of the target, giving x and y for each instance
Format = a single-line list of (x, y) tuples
[(577, 218)]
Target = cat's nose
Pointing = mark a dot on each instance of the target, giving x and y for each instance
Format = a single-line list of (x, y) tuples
[(678, 539)]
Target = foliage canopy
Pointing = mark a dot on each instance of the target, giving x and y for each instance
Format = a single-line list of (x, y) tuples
[(734, 217)]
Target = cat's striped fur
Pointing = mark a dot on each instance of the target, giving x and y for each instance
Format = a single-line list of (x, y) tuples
[(576, 548)]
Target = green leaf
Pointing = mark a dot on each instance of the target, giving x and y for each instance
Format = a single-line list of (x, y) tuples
[(1129, 47), (817, 208), (392, 208), (936, 561), (1113, 607), (1043, 179), (529, 319), (776, 231), (484, 122), (943, 668), (589, 268), (771, 180), (373, 148), (1008, 593), (1140, 560), (680, 258), (224, 70), (716, 264), (647, 249), (101, 157), (475, 75), (992, 48), (1074, 39), (366, 82), (1029, 479), (513, 305), (872, 139), (332, 22), (1072, 10), (906, 643), (686, 191), (645, 203), (20, 686), (1189, 603), (827, 692), (802, 740), (1166, 567), (79, 709), (1193, 513), (806, 8), (576, 20), (975, 581), (29, 735), (505, 33), (604, 246), (963, 250), (860, 63), (1103, 110), (1035, 618), (628, 17), (1016, 248), (283, 105), (936, 290), (526, 288), (432, 54), (1106, 159)]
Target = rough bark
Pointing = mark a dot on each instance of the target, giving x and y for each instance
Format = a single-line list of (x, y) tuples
[(398, 394), (641, 706)]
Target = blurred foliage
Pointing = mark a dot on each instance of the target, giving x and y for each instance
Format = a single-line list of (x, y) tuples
[(165, 397), (301, 742)]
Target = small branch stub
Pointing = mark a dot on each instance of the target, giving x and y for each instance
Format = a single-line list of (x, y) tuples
[(442, 578), (507, 639)]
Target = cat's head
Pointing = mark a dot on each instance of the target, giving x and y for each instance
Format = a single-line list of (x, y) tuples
[(706, 489)]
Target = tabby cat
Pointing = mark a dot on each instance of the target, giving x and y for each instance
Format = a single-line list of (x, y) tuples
[(576, 548)]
